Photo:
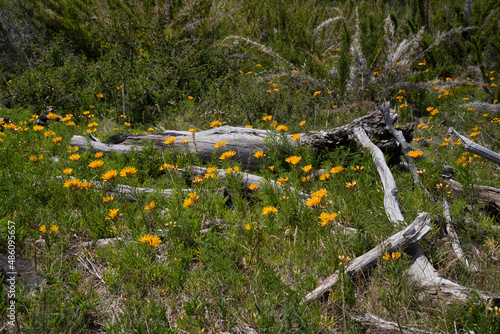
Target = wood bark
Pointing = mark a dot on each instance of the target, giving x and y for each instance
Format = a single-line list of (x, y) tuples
[(369, 320), (391, 202), (482, 194), (397, 242), (245, 142), (477, 149)]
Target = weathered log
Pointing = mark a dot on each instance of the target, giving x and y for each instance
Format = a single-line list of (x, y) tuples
[(455, 242), (245, 142), (391, 202), (369, 320), (482, 194), (399, 241), (427, 280), (477, 149)]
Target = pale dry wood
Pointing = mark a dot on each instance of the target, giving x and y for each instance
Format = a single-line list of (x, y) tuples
[(399, 241), (391, 202), (369, 320), (478, 149), (482, 194), (245, 142), (427, 280), (455, 242)]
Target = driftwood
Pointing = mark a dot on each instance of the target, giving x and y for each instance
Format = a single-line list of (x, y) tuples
[(369, 320), (399, 241), (482, 194), (245, 142), (391, 203), (427, 280), (455, 242), (474, 148)]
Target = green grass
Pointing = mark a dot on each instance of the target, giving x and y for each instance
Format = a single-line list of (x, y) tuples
[(147, 60)]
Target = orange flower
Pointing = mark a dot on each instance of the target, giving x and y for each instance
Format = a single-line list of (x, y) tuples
[(150, 207), (259, 154), (269, 210), (151, 240), (267, 118), (215, 124), (227, 155), (74, 157), (169, 140), (337, 170), (415, 154), (293, 160), (350, 185), (128, 171), (253, 186), (110, 175), (113, 214), (326, 218), (282, 181), (281, 127), (96, 164)]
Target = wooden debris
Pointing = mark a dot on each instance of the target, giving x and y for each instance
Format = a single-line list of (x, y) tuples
[(482, 194), (370, 321), (477, 149)]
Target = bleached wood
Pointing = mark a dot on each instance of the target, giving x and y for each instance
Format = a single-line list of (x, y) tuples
[(369, 320), (477, 149), (482, 194), (397, 242), (391, 202)]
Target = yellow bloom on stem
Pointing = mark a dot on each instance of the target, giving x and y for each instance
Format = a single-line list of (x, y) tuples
[(259, 154), (350, 185), (358, 168), (35, 158), (128, 171), (192, 130), (72, 184), (220, 144), (271, 168), (57, 139), (52, 116), (197, 180), (150, 207), (248, 227), (307, 168), (191, 200), (49, 133), (168, 166), (293, 160), (108, 199), (100, 95), (326, 218), (269, 210), (313, 201), (54, 228), (110, 175), (283, 181), (420, 172), (151, 240), (113, 214), (253, 186), (190, 97), (321, 193), (386, 256), (96, 164), (344, 259), (98, 155), (267, 118), (67, 171), (215, 124), (337, 170), (396, 256), (302, 123), (317, 93), (306, 179), (415, 154), (169, 140), (85, 185), (227, 155), (74, 157), (38, 128), (296, 136), (211, 170), (324, 177), (281, 127), (43, 229)]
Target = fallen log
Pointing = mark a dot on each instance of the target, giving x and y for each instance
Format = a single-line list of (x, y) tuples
[(482, 194), (245, 142), (477, 149), (397, 242), (370, 321), (391, 202)]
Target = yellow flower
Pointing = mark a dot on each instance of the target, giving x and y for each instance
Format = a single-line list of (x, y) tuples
[(350, 185), (317, 93), (215, 124), (98, 155), (415, 154), (110, 175), (227, 155), (253, 186), (85, 185), (396, 256), (35, 158), (57, 139), (293, 160), (70, 123), (190, 97), (282, 181), (306, 179), (100, 95), (337, 170), (269, 210), (74, 157), (185, 141), (113, 214), (43, 229), (128, 171), (296, 136), (67, 171), (151, 240), (386, 256), (168, 166), (108, 199), (192, 199), (420, 172), (267, 118), (281, 127), (54, 228), (150, 207), (344, 259), (307, 168), (169, 140), (259, 154), (52, 116), (96, 164), (38, 128), (358, 168), (220, 144), (248, 227), (49, 133), (72, 184), (192, 130), (197, 180), (302, 123), (326, 218), (271, 168), (313, 201), (324, 177)]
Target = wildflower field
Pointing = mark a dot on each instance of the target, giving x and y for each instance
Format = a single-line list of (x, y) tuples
[(163, 241)]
